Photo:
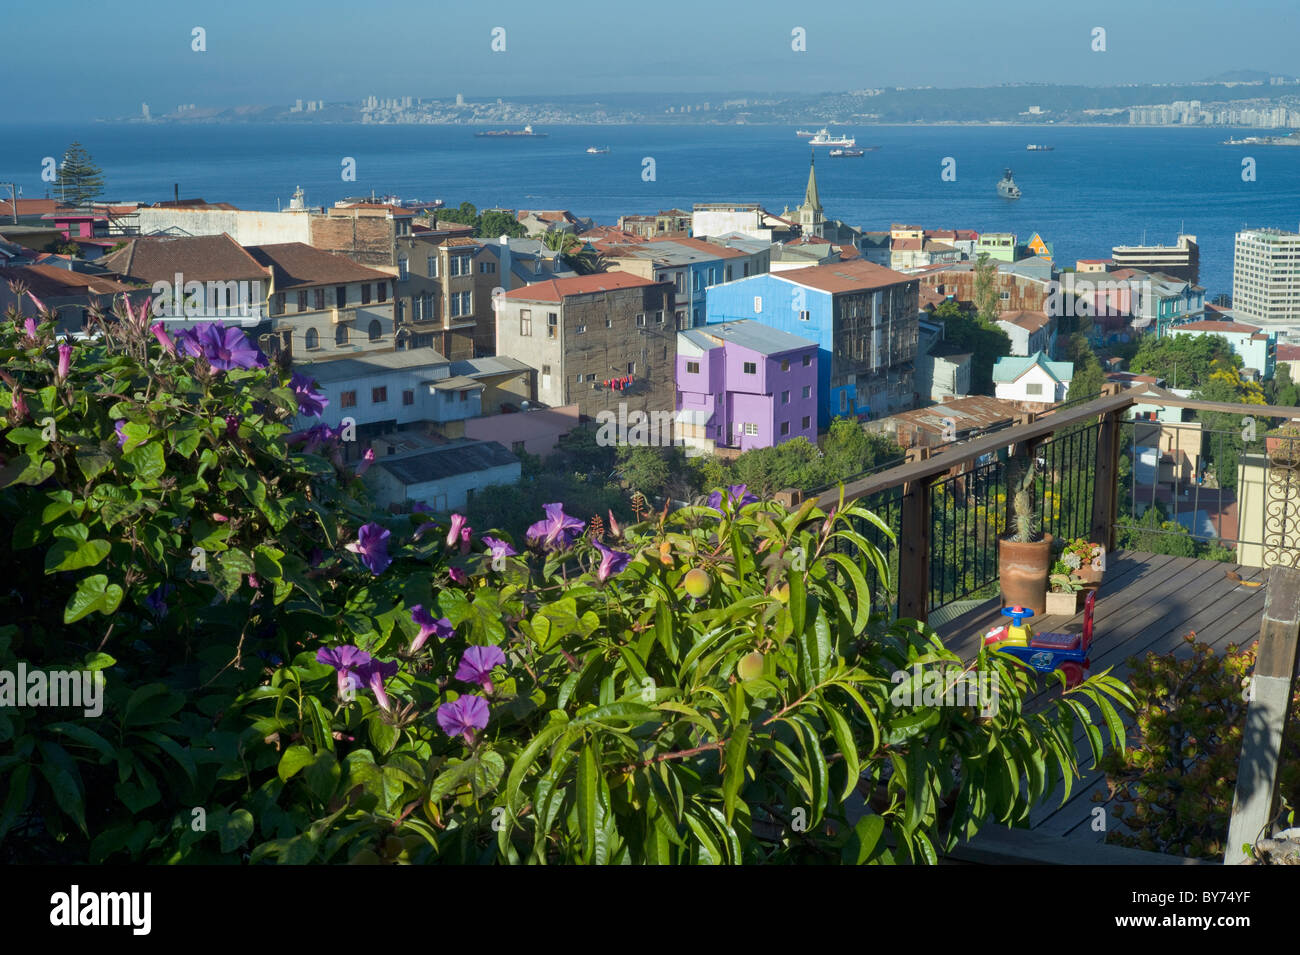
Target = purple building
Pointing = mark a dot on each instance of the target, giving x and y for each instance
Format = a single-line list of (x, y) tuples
[(744, 385)]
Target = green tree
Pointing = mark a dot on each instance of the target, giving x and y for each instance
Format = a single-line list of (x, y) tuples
[(79, 180), (1088, 378), (983, 339), (987, 302), (1184, 361), (465, 214), (495, 223), (577, 254)]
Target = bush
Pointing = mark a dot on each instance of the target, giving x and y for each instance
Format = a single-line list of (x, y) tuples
[(293, 675), (1173, 788)]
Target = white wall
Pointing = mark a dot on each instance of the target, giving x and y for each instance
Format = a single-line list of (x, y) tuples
[(1018, 390), (446, 494), (245, 227)]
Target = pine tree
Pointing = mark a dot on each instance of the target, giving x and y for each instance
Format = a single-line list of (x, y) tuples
[(80, 180)]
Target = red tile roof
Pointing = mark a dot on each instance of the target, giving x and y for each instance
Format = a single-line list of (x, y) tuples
[(29, 207), (1027, 319), (1211, 326), (1288, 352), (298, 265), (557, 290), (50, 281), (852, 276), (906, 245), (721, 251), (199, 258)]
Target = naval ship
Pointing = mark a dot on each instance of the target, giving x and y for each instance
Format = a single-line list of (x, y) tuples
[(1007, 188)]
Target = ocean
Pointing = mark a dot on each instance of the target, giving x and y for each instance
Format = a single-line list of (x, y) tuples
[(1099, 187)]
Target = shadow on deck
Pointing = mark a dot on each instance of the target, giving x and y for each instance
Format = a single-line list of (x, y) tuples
[(1146, 603)]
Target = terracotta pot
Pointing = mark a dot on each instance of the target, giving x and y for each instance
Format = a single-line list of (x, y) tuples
[(1060, 604), (1022, 573)]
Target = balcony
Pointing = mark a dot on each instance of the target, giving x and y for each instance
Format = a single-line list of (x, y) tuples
[(344, 315), (1223, 567)]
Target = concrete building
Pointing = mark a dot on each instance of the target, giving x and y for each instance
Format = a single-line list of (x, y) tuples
[(1034, 381), (597, 341), (1182, 260), (1257, 348), (535, 431), (690, 265), (999, 246), (948, 422), (863, 318), (444, 293), (1266, 280), (747, 218), (744, 385), (444, 478), (1016, 291), (70, 295), (245, 227)]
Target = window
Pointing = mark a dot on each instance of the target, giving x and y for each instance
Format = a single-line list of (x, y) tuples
[(1034, 389), (609, 323), (751, 429), (844, 401), (375, 330), (785, 364), (785, 397), (348, 399), (580, 330), (552, 325), (408, 397), (379, 395), (807, 360), (341, 335), (365, 293), (805, 316), (433, 266), (659, 317), (1005, 296), (525, 323), (631, 368), (464, 395), (460, 265), (313, 338), (383, 292), (640, 320), (302, 300), (341, 296), (744, 270), (279, 303), (487, 268), (692, 368), (399, 310), (728, 273), (785, 428), (402, 270), (318, 298), (807, 423), (751, 368), (460, 304), (807, 391), (758, 304)]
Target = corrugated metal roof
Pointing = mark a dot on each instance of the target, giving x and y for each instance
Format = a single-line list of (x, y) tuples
[(467, 457)]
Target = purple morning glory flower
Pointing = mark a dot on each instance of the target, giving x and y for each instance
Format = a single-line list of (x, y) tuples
[(232, 426), (310, 401), (164, 339), (458, 522), (463, 716), (157, 601), (30, 326), (419, 507), (611, 561), (349, 661), (372, 545), (458, 576), (373, 673), (118, 427), (477, 663), (428, 627), (224, 348), (499, 548), (737, 494), (367, 459), (558, 531)]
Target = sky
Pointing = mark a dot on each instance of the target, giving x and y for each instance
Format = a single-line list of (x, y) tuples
[(78, 59)]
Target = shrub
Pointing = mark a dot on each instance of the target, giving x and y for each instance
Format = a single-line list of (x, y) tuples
[(293, 675), (1173, 788)]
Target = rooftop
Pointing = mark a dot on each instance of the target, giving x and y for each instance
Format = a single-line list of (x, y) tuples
[(49, 281), (557, 290), (375, 363), (852, 276), (1012, 367), (297, 265), (1239, 328), (750, 334), (457, 457), (199, 258)]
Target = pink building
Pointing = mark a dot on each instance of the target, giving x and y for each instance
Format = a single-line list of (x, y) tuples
[(535, 431)]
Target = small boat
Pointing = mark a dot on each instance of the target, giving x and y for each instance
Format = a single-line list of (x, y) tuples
[(1035, 148), (597, 150), (837, 153), (824, 138), (1007, 188)]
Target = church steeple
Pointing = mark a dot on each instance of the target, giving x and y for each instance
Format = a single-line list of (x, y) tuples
[(810, 198)]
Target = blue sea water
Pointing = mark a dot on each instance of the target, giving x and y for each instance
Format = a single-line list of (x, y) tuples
[(1099, 187)]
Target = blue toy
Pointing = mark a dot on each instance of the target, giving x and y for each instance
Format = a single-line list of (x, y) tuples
[(1045, 652)]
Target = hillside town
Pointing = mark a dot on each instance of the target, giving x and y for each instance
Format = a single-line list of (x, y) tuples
[(746, 328)]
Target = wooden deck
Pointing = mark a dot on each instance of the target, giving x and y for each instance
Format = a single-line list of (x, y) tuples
[(1146, 602)]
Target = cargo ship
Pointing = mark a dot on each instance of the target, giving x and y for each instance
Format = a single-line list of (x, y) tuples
[(824, 138), (513, 133)]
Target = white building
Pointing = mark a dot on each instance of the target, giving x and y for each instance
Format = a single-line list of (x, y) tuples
[(1029, 331), (445, 478), (1032, 379), (1266, 280)]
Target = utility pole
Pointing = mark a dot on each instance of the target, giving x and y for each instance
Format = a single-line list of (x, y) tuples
[(13, 198)]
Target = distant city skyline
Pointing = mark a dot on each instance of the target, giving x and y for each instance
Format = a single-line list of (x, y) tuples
[(273, 54)]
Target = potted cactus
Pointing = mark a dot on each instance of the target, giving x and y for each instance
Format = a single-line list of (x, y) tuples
[(1025, 554), (1084, 559)]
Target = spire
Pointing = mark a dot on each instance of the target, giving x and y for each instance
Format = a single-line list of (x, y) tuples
[(810, 198)]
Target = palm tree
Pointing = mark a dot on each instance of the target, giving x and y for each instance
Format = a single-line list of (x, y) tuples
[(577, 254)]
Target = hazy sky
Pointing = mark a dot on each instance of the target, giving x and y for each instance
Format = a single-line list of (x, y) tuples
[(77, 59)]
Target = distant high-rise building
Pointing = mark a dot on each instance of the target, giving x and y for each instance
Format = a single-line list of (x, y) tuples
[(144, 111), (297, 106), (1266, 280), (460, 99)]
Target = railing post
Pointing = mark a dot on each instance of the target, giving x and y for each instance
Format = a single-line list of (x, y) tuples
[(914, 543), (1266, 714), (1105, 488)]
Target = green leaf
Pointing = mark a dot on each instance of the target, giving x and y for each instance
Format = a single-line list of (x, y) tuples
[(588, 774), (296, 757), (92, 593), (23, 470), (866, 835), (61, 773), (71, 555), (147, 461), (734, 777), (234, 829)]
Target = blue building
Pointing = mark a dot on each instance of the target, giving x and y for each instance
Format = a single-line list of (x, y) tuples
[(863, 317)]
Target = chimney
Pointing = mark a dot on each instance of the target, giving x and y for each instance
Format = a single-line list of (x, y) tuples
[(505, 262)]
